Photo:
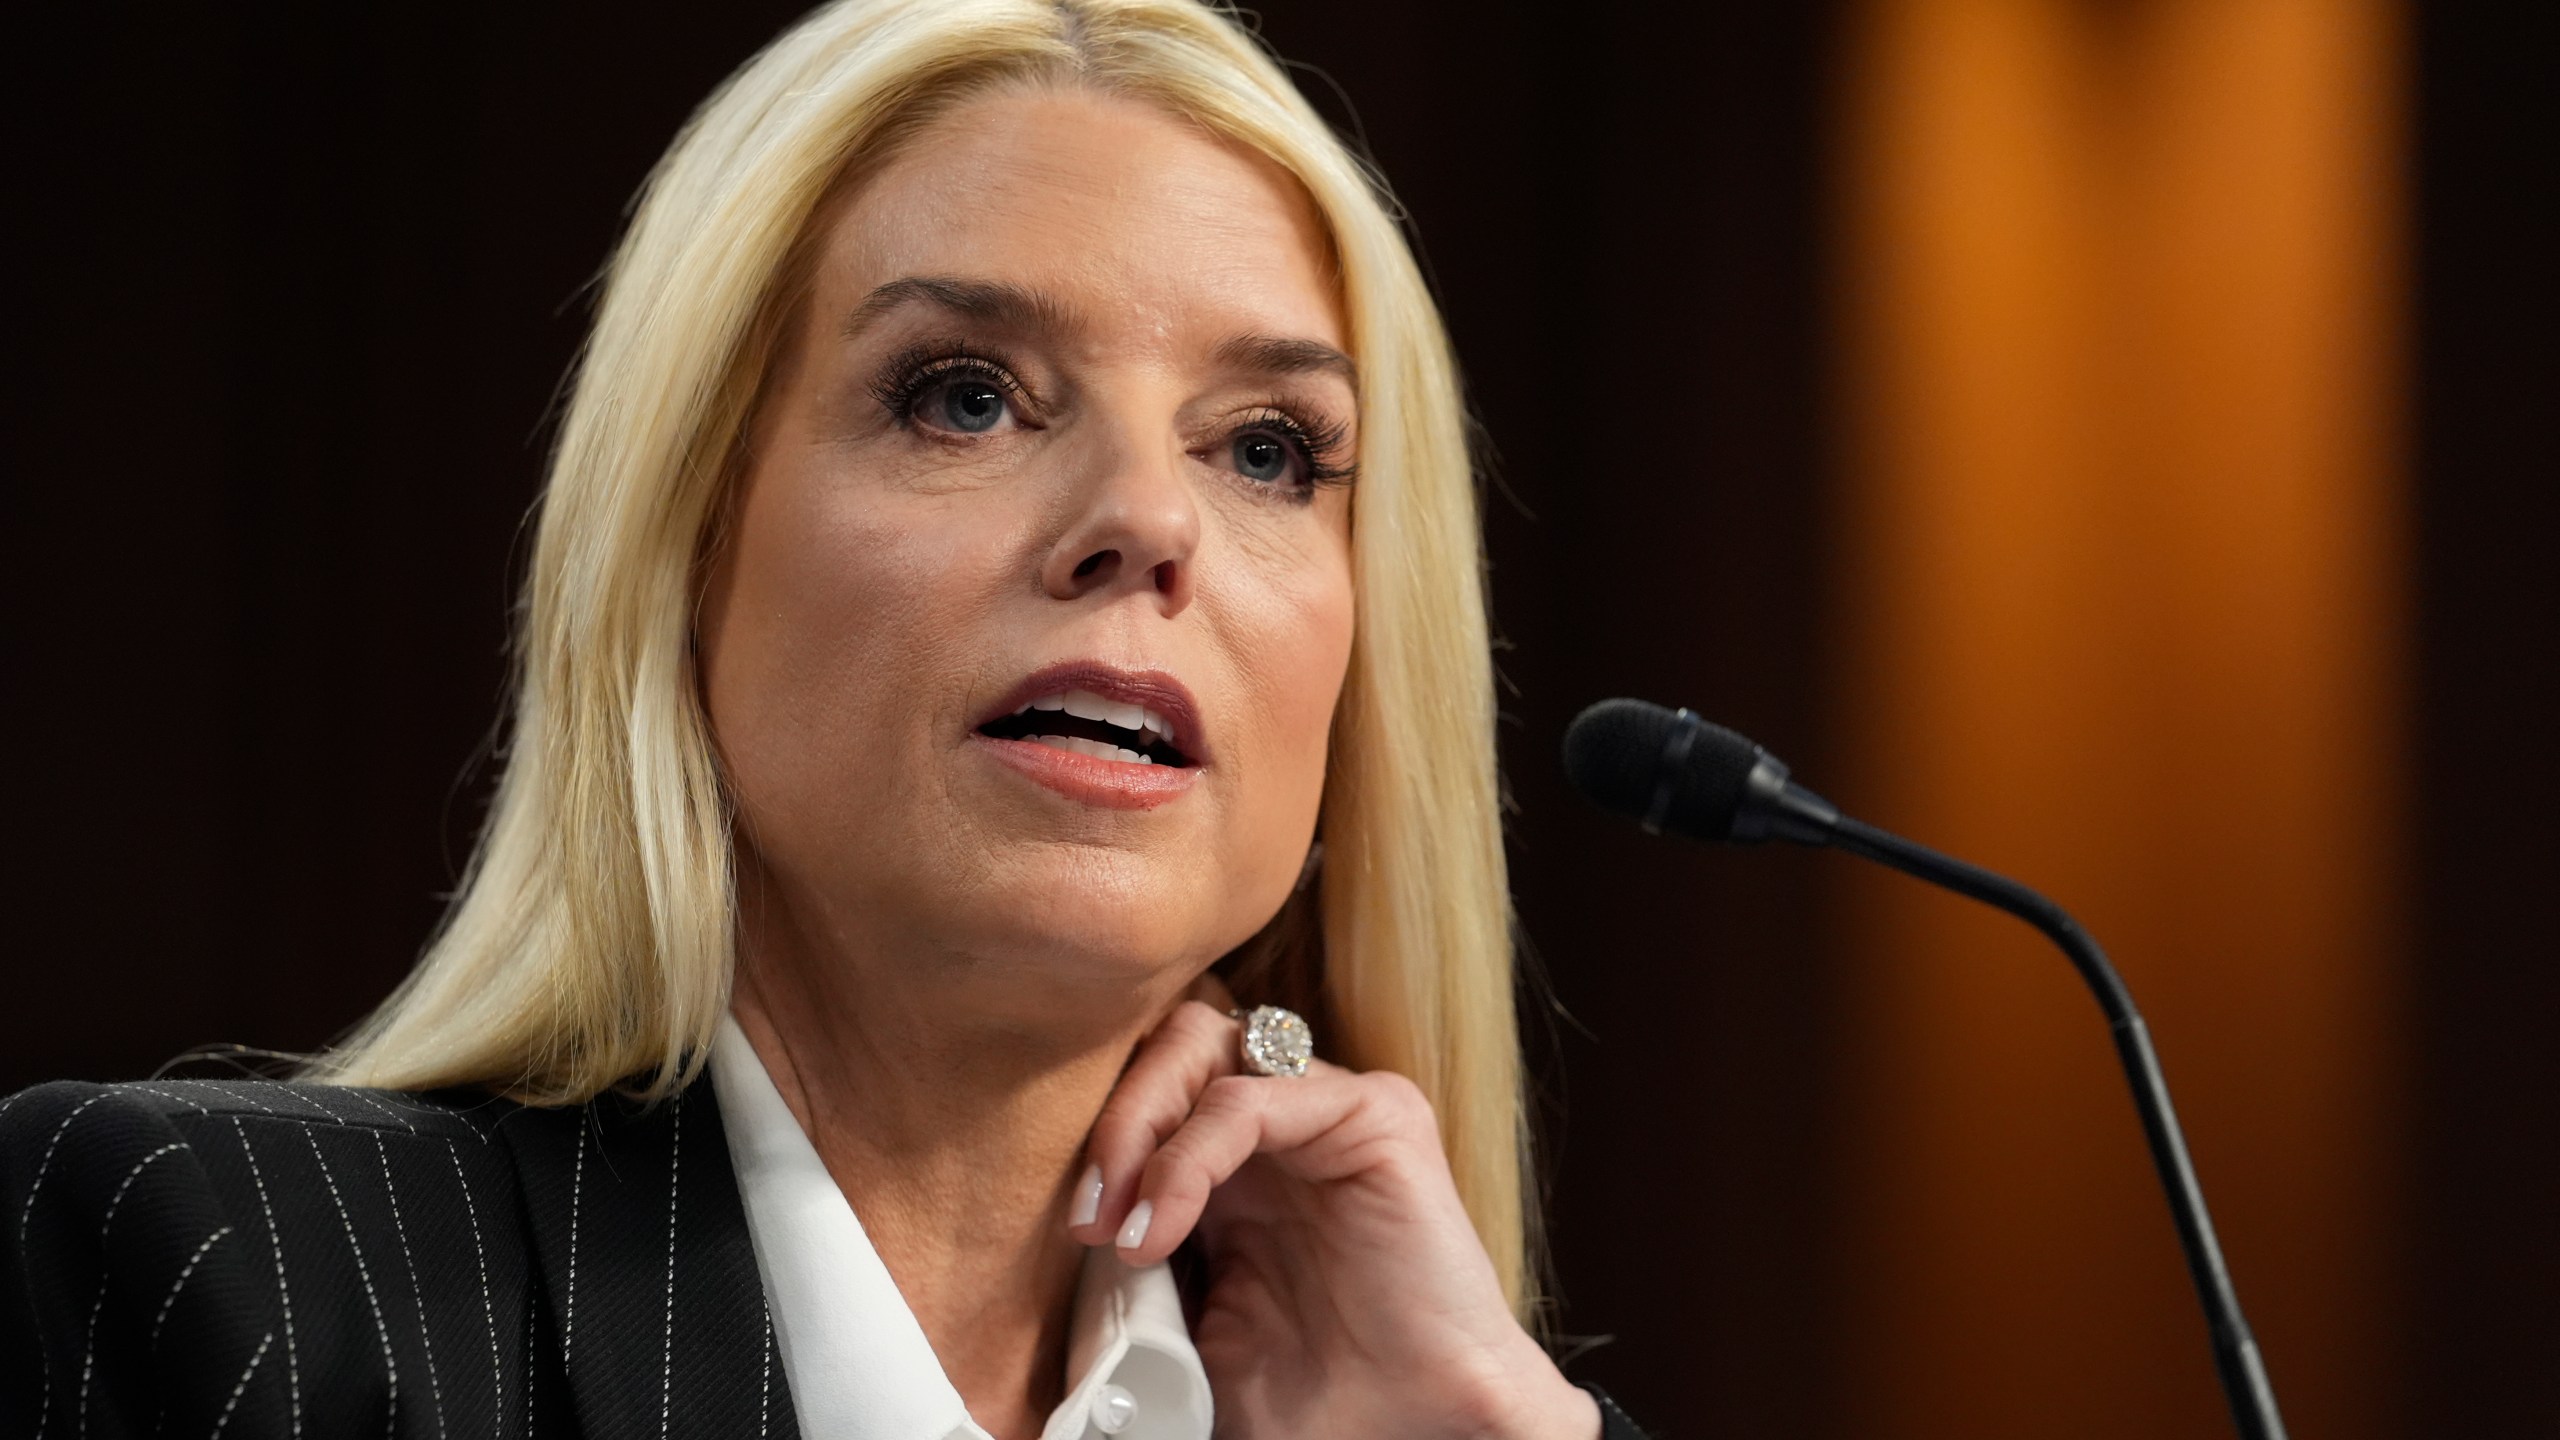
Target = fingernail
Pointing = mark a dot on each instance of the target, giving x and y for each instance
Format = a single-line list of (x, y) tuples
[(1134, 1234), (1088, 1197)]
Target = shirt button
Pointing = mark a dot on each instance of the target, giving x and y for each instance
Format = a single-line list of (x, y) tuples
[(1113, 1408)]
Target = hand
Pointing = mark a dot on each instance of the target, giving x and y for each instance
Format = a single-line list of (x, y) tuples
[(1348, 1294)]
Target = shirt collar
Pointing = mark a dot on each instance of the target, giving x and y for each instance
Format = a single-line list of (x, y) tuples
[(859, 1365)]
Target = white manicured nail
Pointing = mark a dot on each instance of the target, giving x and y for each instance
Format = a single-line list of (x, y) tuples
[(1088, 1197), (1134, 1234)]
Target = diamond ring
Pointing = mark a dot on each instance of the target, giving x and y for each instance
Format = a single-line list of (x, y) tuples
[(1276, 1042)]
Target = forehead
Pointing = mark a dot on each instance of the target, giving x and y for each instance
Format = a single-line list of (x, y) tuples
[(1142, 224)]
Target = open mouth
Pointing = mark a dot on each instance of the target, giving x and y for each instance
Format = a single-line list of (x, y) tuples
[(1083, 723)]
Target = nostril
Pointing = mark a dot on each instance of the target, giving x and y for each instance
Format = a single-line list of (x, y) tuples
[(1166, 578), (1093, 563)]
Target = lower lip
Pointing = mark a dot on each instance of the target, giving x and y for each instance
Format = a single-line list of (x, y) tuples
[(1111, 784)]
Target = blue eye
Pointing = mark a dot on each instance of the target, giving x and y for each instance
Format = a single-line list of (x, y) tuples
[(971, 407), (1260, 455)]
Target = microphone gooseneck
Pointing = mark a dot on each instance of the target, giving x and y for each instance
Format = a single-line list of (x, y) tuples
[(1670, 770)]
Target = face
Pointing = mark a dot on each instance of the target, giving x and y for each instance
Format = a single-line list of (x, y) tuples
[(1022, 644)]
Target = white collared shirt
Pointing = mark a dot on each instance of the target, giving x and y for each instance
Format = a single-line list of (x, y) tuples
[(859, 1365)]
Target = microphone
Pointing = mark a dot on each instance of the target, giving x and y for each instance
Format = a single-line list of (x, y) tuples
[(1668, 770)]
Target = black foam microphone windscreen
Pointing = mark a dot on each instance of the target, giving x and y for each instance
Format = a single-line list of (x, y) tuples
[(1665, 769)]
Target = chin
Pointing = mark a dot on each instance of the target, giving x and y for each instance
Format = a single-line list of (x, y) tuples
[(1114, 921)]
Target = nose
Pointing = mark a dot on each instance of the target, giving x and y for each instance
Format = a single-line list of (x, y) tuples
[(1134, 527)]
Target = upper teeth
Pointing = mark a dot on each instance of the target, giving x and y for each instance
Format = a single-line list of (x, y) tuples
[(1085, 705)]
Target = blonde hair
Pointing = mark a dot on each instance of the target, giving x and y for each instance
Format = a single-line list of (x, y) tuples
[(592, 941)]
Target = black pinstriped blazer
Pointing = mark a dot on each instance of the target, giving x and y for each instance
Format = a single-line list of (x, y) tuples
[(245, 1258), (253, 1259)]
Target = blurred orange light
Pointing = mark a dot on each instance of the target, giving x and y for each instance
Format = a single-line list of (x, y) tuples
[(2122, 603)]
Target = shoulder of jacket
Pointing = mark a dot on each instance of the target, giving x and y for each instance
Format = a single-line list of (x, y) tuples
[(40, 1116)]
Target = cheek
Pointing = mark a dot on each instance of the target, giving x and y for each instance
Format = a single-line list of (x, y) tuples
[(827, 621), (1313, 679), (1294, 661)]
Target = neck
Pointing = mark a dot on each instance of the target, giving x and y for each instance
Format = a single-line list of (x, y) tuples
[(955, 1137)]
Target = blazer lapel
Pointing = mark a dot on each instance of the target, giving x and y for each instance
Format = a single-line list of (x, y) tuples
[(642, 1249)]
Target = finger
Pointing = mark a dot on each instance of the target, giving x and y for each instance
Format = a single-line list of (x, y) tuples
[(1193, 1047), (1326, 1127)]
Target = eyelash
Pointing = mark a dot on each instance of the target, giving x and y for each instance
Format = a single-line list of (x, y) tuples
[(1318, 443), (914, 373), (917, 370)]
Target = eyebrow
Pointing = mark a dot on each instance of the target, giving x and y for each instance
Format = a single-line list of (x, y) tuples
[(996, 303), (991, 301), (1274, 355)]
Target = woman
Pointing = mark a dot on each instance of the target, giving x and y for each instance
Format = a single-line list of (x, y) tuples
[(1014, 500)]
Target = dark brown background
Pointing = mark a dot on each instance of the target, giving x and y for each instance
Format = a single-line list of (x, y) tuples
[(295, 289)]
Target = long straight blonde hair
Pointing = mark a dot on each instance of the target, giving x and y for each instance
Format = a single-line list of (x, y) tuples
[(592, 941)]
